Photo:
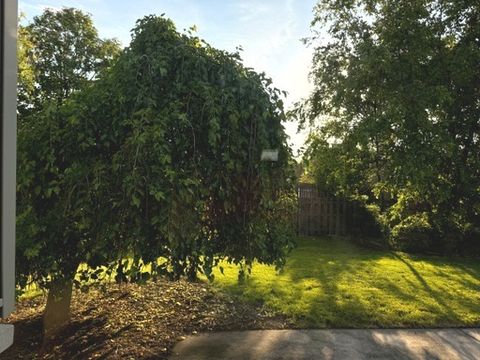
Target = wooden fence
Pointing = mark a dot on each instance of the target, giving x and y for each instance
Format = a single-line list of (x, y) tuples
[(321, 214)]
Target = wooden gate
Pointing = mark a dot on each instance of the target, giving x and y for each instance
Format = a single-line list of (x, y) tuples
[(321, 214)]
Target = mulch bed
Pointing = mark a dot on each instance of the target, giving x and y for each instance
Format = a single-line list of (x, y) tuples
[(128, 321)]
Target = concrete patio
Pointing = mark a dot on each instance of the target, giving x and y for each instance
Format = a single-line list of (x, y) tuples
[(448, 344)]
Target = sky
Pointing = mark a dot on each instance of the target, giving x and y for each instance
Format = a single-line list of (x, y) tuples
[(269, 31)]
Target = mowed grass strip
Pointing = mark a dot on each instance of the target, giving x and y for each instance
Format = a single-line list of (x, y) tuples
[(330, 282)]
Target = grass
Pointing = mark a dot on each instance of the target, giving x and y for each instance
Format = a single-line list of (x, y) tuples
[(330, 282)]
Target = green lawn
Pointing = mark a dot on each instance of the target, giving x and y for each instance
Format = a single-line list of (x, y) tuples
[(329, 282)]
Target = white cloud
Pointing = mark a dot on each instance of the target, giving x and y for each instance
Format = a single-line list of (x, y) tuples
[(31, 8), (268, 32), (251, 10), (271, 43)]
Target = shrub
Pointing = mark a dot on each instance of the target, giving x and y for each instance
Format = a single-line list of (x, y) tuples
[(471, 241), (369, 227), (413, 234)]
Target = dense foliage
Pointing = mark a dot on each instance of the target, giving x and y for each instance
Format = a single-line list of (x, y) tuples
[(59, 52), (186, 181), (159, 157), (396, 108)]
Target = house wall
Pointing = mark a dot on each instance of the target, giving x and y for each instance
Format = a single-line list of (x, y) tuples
[(8, 86)]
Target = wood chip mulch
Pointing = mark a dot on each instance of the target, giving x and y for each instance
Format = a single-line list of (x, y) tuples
[(128, 321)]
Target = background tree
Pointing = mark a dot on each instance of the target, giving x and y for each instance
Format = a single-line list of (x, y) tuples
[(59, 53), (397, 91), (26, 73), (158, 158)]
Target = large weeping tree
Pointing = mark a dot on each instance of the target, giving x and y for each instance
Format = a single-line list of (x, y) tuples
[(396, 102), (155, 163)]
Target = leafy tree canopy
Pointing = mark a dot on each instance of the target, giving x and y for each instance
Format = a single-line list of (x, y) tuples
[(159, 157), (59, 52), (396, 105)]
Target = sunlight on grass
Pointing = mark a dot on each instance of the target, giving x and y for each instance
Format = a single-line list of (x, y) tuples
[(331, 282), (33, 290), (30, 291)]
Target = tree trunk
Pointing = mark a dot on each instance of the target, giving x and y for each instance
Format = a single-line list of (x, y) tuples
[(57, 310)]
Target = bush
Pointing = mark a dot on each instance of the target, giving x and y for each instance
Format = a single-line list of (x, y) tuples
[(470, 245), (455, 235), (369, 227), (413, 234)]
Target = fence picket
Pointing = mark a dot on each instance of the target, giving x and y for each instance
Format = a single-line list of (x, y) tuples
[(322, 214)]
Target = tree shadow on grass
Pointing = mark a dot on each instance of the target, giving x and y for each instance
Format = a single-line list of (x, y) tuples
[(333, 306), (471, 269), (440, 296), (424, 284), (342, 287), (307, 289)]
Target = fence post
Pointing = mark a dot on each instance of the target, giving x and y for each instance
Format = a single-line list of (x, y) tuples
[(337, 216), (320, 214)]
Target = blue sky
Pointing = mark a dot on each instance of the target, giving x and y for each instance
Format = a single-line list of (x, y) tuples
[(269, 32)]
